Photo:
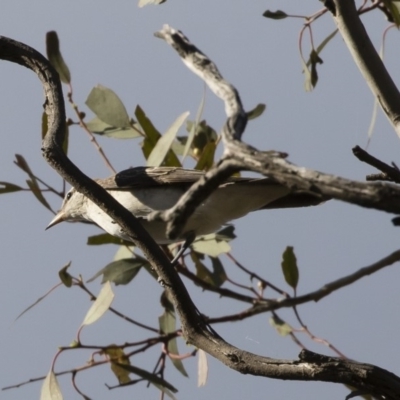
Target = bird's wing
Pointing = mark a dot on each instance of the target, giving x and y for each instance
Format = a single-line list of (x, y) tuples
[(145, 177), (153, 177)]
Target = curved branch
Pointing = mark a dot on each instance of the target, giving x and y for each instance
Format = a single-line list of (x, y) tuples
[(24, 55), (367, 59), (364, 377)]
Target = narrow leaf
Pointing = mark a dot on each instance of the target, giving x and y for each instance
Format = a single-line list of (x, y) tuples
[(202, 368), (209, 245), (192, 131), (33, 183), (167, 323), (120, 272), (108, 107), (152, 378), (100, 306), (38, 193), (55, 57), (275, 14), (50, 388), (289, 267), (152, 137), (6, 187), (164, 143), (323, 44), (105, 238), (206, 159), (256, 111), (21, 163)]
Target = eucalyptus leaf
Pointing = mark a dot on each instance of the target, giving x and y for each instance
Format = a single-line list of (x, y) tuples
[(55, 57), (275, 14), (289, 267), (50, 388), (164, 143), (120, 272), (108, 107), (209, 245), (6, 187), (100, 305), (256, 111)]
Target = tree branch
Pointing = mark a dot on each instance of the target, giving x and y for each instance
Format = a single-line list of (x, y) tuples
[(364, 377), (240, 156), (367, 59)]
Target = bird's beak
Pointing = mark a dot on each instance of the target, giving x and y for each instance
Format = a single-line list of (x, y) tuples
[(59, 217)]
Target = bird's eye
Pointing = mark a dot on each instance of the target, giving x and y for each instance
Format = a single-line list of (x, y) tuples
[(69, 194)]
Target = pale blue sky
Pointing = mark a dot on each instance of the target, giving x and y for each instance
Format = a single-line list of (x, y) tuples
[(112, 43)]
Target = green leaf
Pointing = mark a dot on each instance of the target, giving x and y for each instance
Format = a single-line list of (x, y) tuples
[(167, 323), (192, 132), (100, 305), (152, 137), (99, 127), (108, 107), (124, 252), (106, 238), (6, 187), (50, 388), (120, 272), (65, 277), (208, 244), (275, 14), (323, 44), (393, 8), (280, 325), (32, 183), (289, 267), (55, 57), (206, 159), (38, 193), (204, 134), (163, 145), (160, 383), (256, 111)]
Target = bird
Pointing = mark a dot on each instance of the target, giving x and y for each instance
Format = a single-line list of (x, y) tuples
[(143, 190)]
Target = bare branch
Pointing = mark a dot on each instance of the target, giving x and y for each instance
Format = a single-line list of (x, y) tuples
[(389, 173), (367, 59)]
